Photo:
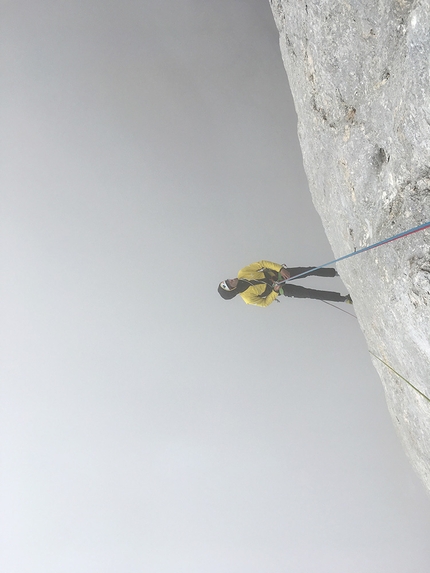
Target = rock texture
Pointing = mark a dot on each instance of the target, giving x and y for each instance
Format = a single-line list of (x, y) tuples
[(359, 74)]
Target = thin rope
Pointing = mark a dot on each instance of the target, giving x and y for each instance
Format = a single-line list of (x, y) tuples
[(380, 359), (338, 308), (393, 238), (400, 376)]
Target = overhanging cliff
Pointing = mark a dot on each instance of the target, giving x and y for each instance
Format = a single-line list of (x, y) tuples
[(359, 74)]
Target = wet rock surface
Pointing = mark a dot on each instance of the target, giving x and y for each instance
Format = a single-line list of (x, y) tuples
[(359, 74)]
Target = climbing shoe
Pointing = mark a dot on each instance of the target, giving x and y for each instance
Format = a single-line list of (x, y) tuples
[(348, 299)]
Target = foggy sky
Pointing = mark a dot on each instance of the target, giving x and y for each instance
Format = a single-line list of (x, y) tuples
[(149, 150)]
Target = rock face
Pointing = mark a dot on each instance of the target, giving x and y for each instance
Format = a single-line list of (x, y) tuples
[(359, 74)]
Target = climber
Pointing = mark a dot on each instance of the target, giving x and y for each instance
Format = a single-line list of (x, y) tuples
[(257, 284)]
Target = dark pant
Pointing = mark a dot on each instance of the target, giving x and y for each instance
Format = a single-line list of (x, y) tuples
[(302, 292)]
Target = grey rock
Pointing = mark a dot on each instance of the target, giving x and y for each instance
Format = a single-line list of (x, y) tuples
[(359, 74)]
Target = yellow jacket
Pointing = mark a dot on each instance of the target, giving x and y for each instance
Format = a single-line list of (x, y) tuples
[(255, 272)]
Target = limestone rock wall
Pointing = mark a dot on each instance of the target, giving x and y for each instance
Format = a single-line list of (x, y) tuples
[(359, 74)]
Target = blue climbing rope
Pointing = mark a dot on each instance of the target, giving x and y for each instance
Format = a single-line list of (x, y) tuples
[(393, 238)]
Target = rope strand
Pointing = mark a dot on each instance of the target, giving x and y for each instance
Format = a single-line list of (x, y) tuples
[(400, 376), (338, 308), (393, 238), (380, 359)]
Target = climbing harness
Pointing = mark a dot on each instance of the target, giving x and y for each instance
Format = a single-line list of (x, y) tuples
[(267, 290), (393, 238)]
